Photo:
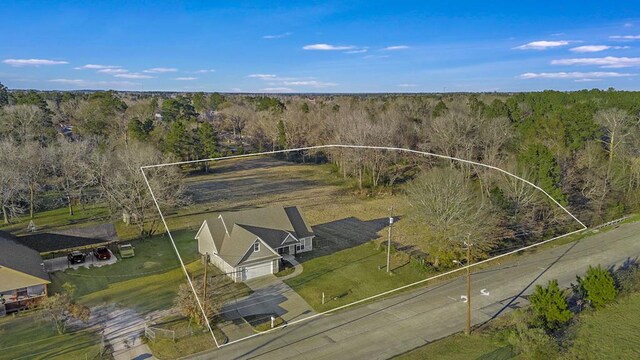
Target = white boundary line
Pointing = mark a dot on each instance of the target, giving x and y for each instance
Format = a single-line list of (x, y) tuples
[(584, 227)]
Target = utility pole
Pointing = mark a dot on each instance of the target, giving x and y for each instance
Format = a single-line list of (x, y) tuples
[(389, 240), (468, 329), (204, 283)]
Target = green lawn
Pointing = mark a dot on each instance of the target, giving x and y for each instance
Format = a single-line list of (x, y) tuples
[(609, 333), (27, 337), (459, 347), (145, 282), (59, 219), (351, 275), (197, 339)]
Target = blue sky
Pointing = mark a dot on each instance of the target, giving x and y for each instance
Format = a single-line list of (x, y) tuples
[(327, 46)]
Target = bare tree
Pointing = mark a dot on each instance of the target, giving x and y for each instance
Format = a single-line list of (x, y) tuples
[(12, 185), (71, 168), (443, 199), (618, 126), (119, 176), (60, 308), (32, 169), (185, 301)]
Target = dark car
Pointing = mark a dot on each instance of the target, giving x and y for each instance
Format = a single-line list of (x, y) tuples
[(102, 253), (76, 257)]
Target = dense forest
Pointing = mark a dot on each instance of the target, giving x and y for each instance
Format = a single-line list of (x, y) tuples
[(582, 148)]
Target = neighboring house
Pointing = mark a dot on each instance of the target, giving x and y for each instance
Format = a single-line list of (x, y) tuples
[(248, 244), (23, 280)]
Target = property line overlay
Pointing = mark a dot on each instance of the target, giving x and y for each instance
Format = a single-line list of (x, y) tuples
[(362, 147)]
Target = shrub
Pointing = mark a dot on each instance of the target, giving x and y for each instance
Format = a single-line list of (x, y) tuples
[(533, 343), (597, 287), (628, 279), (550, 306)]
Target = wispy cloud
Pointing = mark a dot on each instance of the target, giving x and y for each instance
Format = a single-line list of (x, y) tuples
[(96, 67), (407, 85), (204, 71), (573, 75), (32, 62), (133, 76), (113, 71), (277, 36), (603, 62), (311, 83), (262, 76), (160, 70), (359, 51), (186, 78), (595, 48), (277, 89), (327, 47), (395, 47), (624, 37), (85, 83), (542, 45), (628, 25)]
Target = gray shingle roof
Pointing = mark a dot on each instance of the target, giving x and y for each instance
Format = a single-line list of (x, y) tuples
[(16, 256), (271, 224)]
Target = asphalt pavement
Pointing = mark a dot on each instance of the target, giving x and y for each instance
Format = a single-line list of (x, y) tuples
[(398, 324)]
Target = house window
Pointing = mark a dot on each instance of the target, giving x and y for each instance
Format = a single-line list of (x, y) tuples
[(256, 247), (299, 247)]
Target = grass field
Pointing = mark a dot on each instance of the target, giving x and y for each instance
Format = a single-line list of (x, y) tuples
[(350, 275), (27, 337), (609, 333), (199, 339), (462, 347)]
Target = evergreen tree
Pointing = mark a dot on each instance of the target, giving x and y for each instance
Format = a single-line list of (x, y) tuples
[(597, 287), (550, 306)]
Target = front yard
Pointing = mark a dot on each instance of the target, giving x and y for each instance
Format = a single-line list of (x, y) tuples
[(350, 275)]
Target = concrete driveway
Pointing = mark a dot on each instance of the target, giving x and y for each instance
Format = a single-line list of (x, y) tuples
[(271, 296), (61, 263)]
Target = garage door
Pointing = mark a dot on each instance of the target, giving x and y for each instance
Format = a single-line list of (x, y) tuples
[(254, 271)]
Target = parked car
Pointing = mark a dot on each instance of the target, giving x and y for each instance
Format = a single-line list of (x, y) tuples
[(76, 257), (126, 251), (102, 253)]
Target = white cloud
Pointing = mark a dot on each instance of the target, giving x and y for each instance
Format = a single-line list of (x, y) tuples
[(327, 47), (542, 45), (407, 85), (590, 48), (96, 67), (311, 83), (625, 37), (133, 76), (262, 76), (277, 36), (359, 51), (160, 70), (204, 71), (186, 78), (395, 47), (573, 75), (32, 62), (586, 80), (628, 25), (596, 48), (277, 89), (604, 62), (113, 71), (86, 83)]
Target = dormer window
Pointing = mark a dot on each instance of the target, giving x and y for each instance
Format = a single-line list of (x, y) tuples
[(256, 247)]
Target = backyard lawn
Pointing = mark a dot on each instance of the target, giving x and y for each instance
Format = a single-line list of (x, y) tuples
[(25, 336)]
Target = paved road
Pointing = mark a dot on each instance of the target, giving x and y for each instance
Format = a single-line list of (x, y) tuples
[(395, 325)]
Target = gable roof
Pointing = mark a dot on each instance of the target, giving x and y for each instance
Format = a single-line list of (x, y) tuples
[(234, 232), (22, 260)]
